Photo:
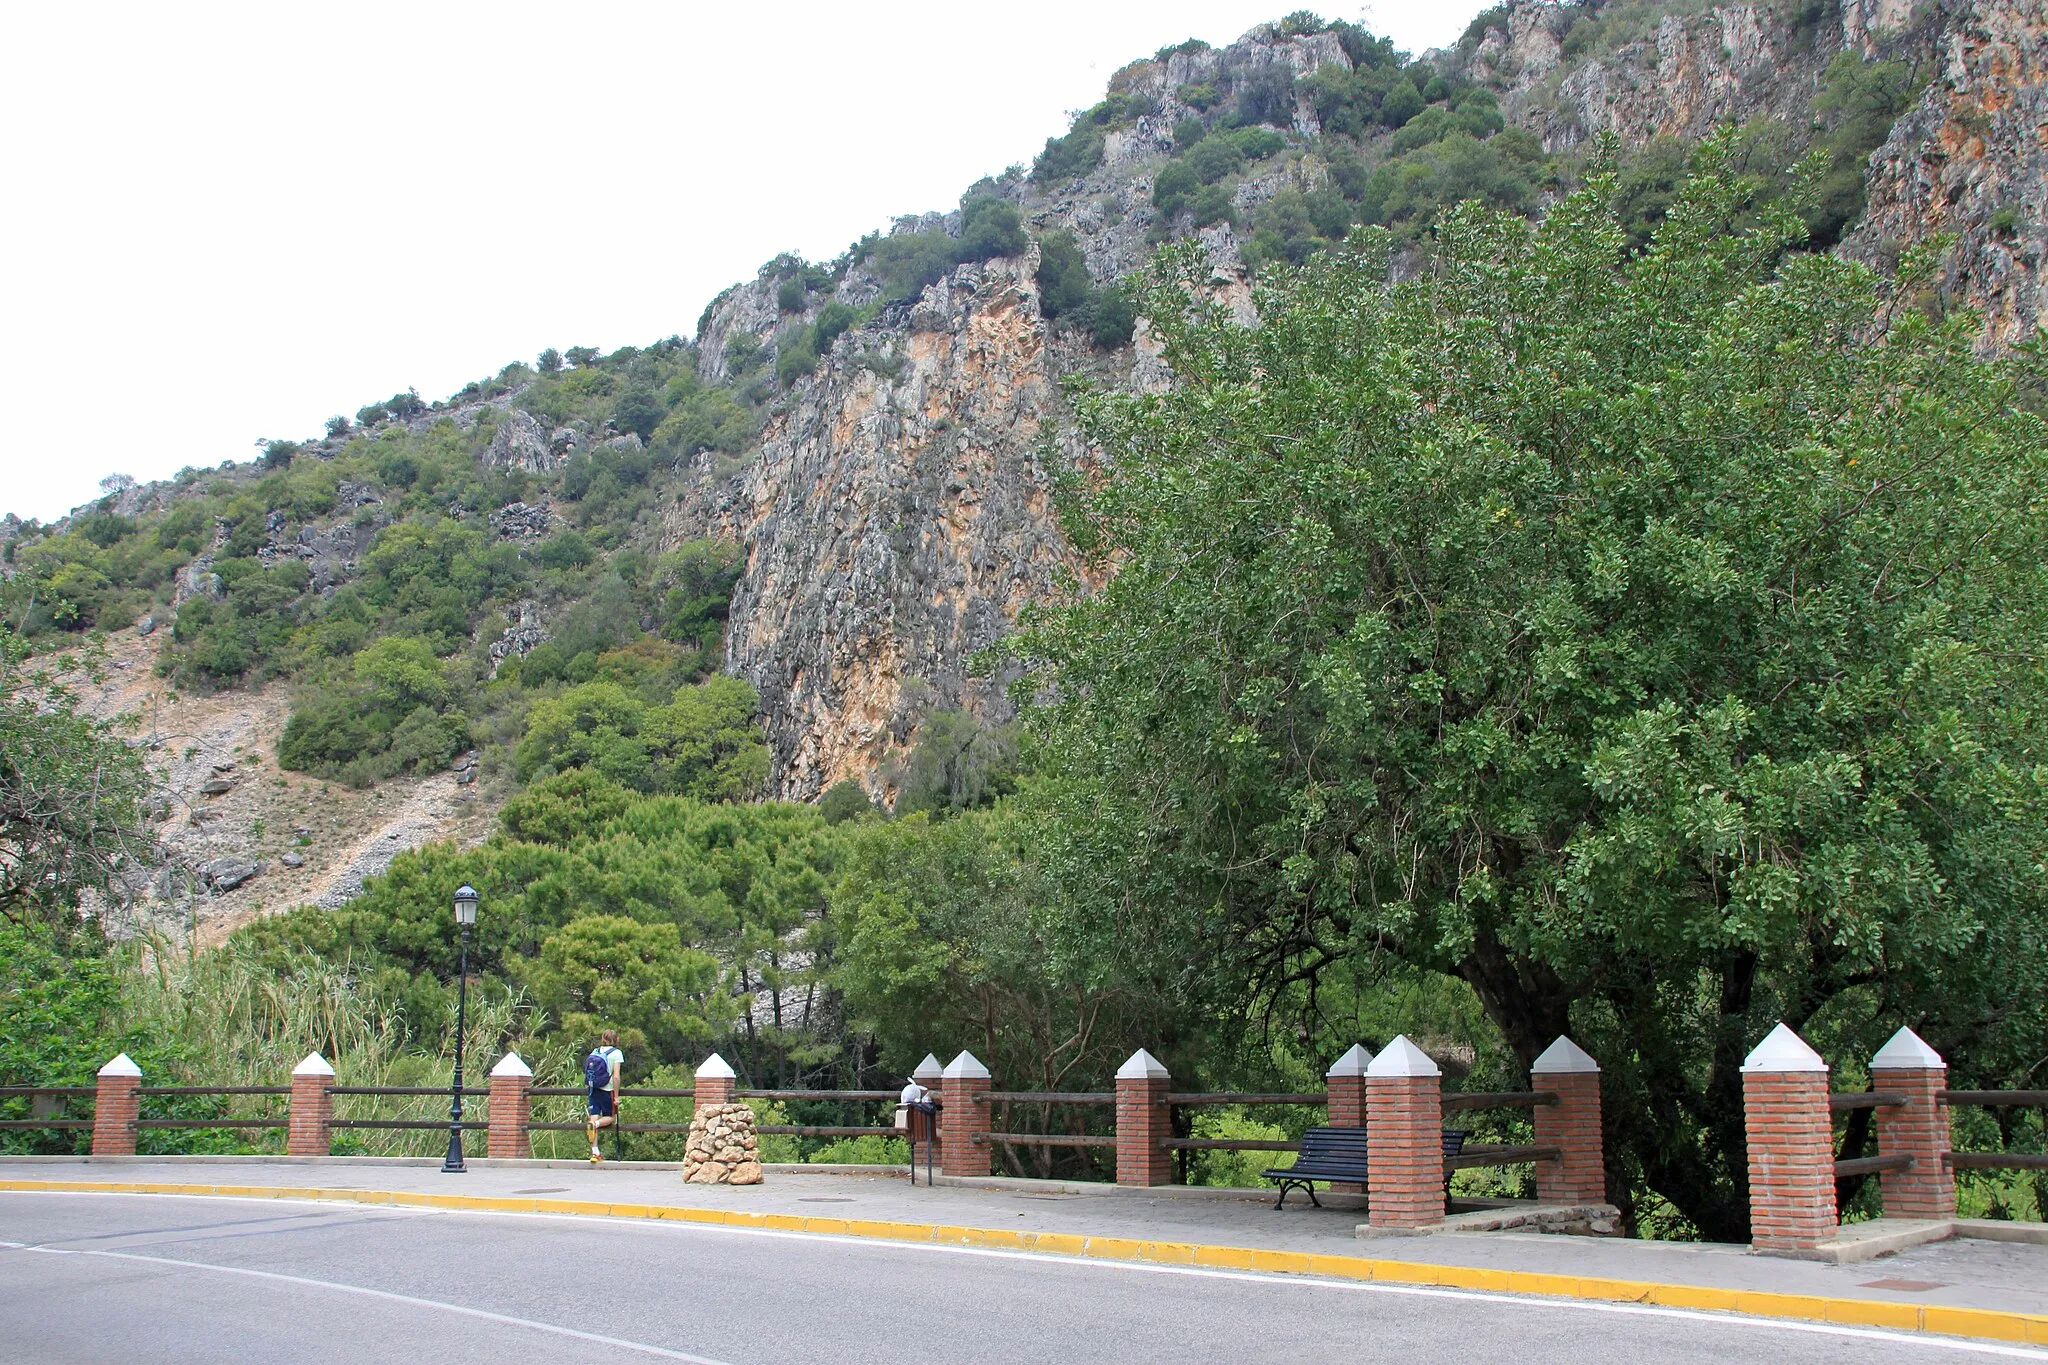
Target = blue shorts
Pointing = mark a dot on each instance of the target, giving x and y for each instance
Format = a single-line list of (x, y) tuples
[(601, 1104)]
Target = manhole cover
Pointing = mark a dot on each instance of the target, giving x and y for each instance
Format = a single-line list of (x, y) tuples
[(824, 1199), (551, 1189), (1909, 1286)]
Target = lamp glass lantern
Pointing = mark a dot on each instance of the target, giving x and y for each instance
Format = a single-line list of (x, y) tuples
[(465, 905)]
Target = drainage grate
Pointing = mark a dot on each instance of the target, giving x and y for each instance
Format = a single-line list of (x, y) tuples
[(551, 1189), (1908, 1286), (824, 1199)]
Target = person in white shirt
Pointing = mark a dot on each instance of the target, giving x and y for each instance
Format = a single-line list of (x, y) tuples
[(601, 1072)]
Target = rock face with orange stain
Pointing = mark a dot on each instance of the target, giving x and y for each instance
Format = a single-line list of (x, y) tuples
[(1971, 160), (898, 518)]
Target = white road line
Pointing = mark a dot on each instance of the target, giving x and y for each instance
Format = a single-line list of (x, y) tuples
[(1924, 1340), (1930, 1342), (618, 1343)]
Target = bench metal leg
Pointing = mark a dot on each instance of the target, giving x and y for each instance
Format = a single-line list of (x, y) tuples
[(1312, 1196)]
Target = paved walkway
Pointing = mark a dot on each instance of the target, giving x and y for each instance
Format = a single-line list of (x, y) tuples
[(1968, 1287)]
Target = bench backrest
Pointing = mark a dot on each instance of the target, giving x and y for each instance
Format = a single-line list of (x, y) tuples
[(1342, 1143)]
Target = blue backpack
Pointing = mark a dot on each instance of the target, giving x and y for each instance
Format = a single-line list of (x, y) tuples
[(597, 1071)]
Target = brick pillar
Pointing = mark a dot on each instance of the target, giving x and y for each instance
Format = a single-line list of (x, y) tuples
[(1791, 1144), (116, 1107), (312, 1108), (930, 1073), (1404, 1107), (964, 1116), (715, 1081), (511, 1109), (1572, 1125), (1918, 1129), (1346, 1080), (1144, 1121)]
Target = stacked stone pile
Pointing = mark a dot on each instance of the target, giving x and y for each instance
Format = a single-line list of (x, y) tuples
[(723, 1149)]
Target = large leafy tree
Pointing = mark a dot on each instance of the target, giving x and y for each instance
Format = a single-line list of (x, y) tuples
[(1650, 638), (71, 796)]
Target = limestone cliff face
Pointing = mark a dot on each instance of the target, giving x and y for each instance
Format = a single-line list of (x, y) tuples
[(1971, 160), (1679, 76), (896, 521), (899, 514)]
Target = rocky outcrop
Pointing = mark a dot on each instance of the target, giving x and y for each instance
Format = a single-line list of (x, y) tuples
[(722, 1148), (1971, 160), (521, 443), (520, 521), (897, 519), (1683, 78)]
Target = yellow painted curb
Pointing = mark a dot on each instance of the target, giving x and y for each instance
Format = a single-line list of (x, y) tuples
[(2029, 1328)]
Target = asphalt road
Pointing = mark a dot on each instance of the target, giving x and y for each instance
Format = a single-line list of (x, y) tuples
[(139, 1278)]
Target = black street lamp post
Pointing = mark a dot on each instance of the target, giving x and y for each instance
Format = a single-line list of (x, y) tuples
[(465, 916)]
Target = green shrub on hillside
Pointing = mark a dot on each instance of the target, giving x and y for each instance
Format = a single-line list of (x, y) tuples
[(701, 743)]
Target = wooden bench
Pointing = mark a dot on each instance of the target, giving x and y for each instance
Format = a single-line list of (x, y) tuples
[(1339, 1154)]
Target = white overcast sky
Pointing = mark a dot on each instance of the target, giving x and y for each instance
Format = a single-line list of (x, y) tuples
[(226, 222)]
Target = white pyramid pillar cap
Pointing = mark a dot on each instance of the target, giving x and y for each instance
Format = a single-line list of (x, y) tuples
[(965, 1067), (122, 1065), (1783, 1051), (1907, 1051), (930, 1066), (511, 1065), (715, 1068), (313, 1065), (1564, 1057), (1352, 1063), (1142, 1066), (1402, 1058)]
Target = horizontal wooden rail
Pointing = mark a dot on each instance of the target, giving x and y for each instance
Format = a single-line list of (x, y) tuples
[(1045, 1140), (1231, 1145), (478, 1123), (816, 1130), (805, 1094), (213, 1123), (469, 1092), (1866, 1099), (544, 1091), (218, 1090), (1505, 1154), (1499, 1099), (608, 1128), (1246, 1097), (1047, 1097), (656, 1093), (1871, 1165), (1998, 1161), (45, 1123), (1997, 1099), (48, 1090)]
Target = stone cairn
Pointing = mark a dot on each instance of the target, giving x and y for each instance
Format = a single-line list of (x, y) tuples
[(723, 1149)]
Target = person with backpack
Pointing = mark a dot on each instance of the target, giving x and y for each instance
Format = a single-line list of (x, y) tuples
[(601, 1072)]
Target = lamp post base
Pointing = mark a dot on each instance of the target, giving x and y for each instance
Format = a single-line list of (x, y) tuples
[(452, 1165)]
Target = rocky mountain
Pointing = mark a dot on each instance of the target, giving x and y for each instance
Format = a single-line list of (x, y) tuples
[(879, 436), (897, 515)]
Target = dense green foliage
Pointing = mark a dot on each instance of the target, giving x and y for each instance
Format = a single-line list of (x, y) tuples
[(71, 795), (1620, 633), (1067, 293)]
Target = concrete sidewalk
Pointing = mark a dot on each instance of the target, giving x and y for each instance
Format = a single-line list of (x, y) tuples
[(1966, 1287)]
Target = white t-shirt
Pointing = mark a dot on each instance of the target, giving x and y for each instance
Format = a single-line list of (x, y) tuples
[(617, 1061)]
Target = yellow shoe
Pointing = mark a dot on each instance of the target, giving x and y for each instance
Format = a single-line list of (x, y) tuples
[(596, 1157)]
